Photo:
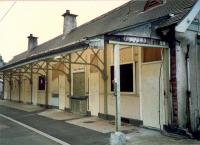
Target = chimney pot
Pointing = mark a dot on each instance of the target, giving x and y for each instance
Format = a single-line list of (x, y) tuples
[(32, 42), (69, 22), (67, 11)]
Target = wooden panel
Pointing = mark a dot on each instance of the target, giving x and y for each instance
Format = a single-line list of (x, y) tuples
[(126, 55), (151, 54), (79, 84)]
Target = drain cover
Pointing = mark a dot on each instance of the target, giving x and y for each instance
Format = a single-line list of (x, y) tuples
[(128, 131), (113, 123)]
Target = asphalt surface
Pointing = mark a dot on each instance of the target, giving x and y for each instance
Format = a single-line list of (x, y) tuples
[(69, 133), (14, 134)]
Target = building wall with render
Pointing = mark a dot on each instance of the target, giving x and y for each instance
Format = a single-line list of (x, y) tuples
[(188, 39), (130, 101)]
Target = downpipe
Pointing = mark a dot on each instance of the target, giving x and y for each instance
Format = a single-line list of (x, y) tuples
[(160, 73), (188, 92)]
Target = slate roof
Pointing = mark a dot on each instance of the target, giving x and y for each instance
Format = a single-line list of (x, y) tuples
[(125, 16)]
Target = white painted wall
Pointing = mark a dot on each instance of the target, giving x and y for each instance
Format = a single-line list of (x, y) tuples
[(94, 100), (188, 38), (181, 84)]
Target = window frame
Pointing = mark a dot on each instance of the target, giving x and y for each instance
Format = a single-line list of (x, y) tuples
[(134, 78)]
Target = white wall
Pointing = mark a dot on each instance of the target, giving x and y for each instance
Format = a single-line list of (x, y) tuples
[(188, 38)]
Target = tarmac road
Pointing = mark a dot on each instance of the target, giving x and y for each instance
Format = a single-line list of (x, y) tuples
[(71, 134), (14, 134)]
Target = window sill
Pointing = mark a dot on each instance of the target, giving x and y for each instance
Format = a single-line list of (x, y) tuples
[(41, 91), (124, 93), (152, 62)]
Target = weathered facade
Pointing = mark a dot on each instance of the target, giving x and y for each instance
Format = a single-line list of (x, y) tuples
[(75, 71)]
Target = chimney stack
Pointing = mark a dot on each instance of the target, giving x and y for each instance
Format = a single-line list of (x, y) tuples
[(32, 42), (69, 22)]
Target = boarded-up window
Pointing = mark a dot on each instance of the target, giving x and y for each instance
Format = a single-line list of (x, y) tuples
[(79, 84), (126, 77), (41, 83), (151, 54)]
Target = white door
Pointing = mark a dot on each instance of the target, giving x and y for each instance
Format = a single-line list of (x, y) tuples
[(35, 88), (150, 94), (27, 95), (62, 97), (94, 94)]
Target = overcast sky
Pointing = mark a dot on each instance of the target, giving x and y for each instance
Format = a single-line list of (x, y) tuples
[(43, 19)]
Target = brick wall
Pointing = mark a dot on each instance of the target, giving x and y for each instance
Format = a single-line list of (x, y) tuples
[(172, 45)]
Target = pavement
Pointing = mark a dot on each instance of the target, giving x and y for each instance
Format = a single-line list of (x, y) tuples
[(72, 129), (150, 137), (20, 106), (59, 114), (100, 125)]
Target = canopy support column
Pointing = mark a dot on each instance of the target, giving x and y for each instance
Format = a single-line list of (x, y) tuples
[(47, 84), (10, 82), (105, 78), (69, 80), (117, 85), (19, 85), (3, 91), (31, 82)]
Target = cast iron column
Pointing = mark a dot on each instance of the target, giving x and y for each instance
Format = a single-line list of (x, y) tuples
[(117, 85)]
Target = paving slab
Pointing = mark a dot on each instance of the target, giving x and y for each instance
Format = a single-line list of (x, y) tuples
[(59, 114), (151, 137), (21, 106), (100, 125)]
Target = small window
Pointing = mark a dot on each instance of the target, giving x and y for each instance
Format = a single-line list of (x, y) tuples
[(151, 54), (126, 77), (41, 83)]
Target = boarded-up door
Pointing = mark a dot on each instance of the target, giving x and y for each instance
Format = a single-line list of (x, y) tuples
[(62, 97), (79, 84), (94, 94), (26, 89), (35, 88), (150, 94)]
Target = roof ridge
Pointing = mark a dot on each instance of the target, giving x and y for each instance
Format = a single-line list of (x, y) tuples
[(91, 21), (103, 15), (45, 42)]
